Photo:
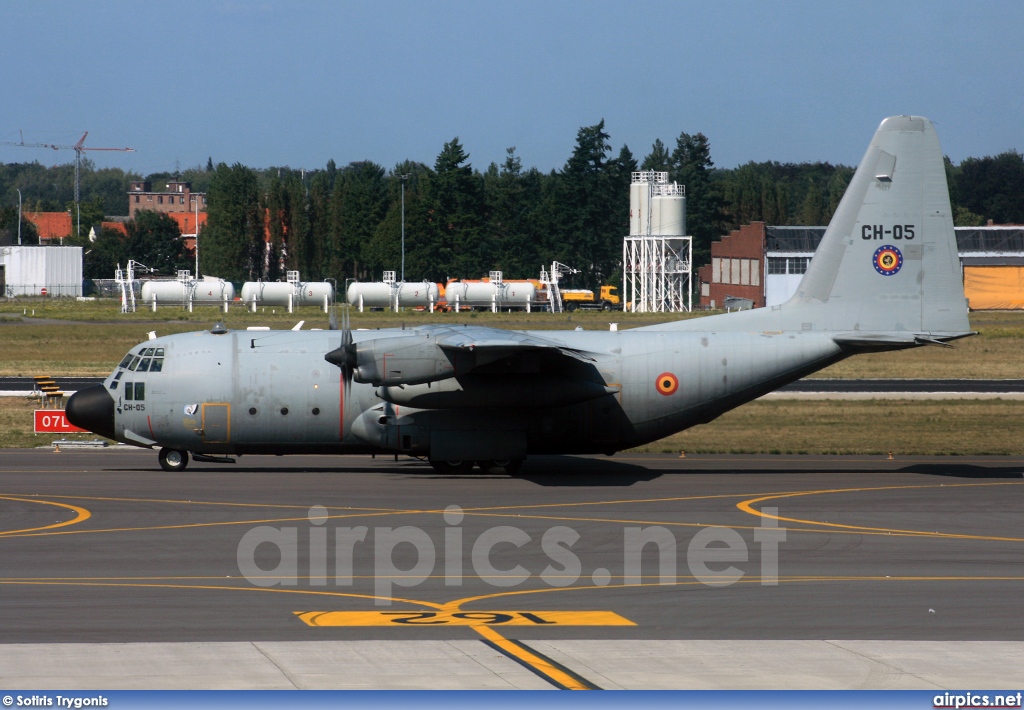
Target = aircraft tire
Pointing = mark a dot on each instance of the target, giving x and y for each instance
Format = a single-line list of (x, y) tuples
[(509, 467), (173, 460), (452, 467)]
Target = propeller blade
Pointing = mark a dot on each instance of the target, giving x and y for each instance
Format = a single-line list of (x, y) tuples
[(345, 357)]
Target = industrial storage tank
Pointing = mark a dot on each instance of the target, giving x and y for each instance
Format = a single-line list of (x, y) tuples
[(668, 215), (375, 294), (418, 293), (313, 293), (166, 291), (267, 293), (209, 290), (277, 293), (639, 193), (656, 206), (212, 290), (485, 294)]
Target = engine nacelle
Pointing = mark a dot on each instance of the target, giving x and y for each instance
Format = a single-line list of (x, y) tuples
[(407, 360)]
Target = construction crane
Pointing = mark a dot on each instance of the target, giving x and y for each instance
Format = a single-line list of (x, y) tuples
[(79, 148)]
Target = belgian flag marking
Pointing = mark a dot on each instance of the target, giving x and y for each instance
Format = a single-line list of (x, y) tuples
[(667, 383)]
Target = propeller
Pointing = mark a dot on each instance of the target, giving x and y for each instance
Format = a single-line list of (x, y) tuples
[(345, 356)]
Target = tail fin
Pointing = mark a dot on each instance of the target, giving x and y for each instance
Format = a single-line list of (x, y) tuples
[(888, 262)]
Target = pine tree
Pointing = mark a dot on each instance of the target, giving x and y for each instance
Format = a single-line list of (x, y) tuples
[(658, 159), (691, 165), (812, 210), (456, 201), (588, 216), (233, 239)]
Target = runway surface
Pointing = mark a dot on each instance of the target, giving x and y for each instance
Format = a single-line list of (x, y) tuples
[(103, 547)]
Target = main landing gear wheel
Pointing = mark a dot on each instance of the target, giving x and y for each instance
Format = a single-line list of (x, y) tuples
[(509, 467), (452, 467), (173, 460)]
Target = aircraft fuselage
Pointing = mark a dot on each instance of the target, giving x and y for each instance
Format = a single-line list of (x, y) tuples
[(272, 392)]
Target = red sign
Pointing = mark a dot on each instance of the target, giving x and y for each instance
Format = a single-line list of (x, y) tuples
[(53, 421), (42, 291)]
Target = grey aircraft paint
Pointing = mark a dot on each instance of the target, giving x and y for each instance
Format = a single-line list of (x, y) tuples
[(886, 276)]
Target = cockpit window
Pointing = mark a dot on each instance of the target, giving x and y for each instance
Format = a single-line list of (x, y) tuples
[(159, 352), (127, 360), (157, 365), (135, 362), (144, 365), (148, 353)]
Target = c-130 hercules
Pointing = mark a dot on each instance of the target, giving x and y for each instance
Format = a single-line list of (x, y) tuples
[(886, 276)]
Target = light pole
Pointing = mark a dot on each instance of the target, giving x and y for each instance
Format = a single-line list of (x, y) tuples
[(195, 199), (403, 177), (19, 217)]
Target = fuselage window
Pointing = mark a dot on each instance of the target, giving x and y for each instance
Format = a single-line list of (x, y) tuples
[(144, 365), (129, 390), (136, 391), (140, 390), (157, 365)]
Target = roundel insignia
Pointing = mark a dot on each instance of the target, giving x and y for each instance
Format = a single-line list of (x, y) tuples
[(888, 260), (667, 383)]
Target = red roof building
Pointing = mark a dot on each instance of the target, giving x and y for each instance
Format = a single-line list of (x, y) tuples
[(50, 225), (115, 227)]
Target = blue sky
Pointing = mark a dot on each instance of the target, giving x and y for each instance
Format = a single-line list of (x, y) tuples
[(297, 83)]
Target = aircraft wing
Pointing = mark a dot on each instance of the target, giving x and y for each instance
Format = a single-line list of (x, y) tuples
[(497, 344)]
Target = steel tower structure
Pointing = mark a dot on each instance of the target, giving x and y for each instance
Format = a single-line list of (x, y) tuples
[(657, 257)]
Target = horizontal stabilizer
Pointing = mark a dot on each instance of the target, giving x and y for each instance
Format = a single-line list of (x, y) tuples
[(895, 341)]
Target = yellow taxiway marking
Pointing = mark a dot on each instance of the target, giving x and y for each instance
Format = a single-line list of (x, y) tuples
[(81, 515), (365, 512), (539, 664), (747, 507), (180, 501), (463, 618)]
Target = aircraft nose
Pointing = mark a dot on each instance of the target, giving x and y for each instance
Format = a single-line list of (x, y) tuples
[(92, 408)]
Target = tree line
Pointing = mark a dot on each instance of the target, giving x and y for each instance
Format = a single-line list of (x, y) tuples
[(461, 221)]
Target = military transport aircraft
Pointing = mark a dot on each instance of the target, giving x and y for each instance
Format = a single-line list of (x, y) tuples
[(886, 276)]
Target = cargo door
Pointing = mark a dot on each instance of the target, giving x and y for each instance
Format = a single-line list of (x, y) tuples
[(216, 426)]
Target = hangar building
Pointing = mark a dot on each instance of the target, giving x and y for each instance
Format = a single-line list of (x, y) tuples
[(765, 264), (40, 271)]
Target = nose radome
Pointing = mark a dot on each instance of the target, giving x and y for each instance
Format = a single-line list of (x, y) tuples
[(92, 408)]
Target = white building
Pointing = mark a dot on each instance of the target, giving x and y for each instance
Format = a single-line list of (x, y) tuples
[(40, 271)]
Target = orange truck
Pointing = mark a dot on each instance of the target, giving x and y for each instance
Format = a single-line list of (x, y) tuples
[(584, 299)]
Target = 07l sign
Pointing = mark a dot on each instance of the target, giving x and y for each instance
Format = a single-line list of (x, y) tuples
[(53, 421)]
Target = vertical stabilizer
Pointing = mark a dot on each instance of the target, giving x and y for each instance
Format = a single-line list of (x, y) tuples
[(888, 262)]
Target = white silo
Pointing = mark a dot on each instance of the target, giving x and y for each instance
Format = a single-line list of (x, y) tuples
[(656, 254)]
